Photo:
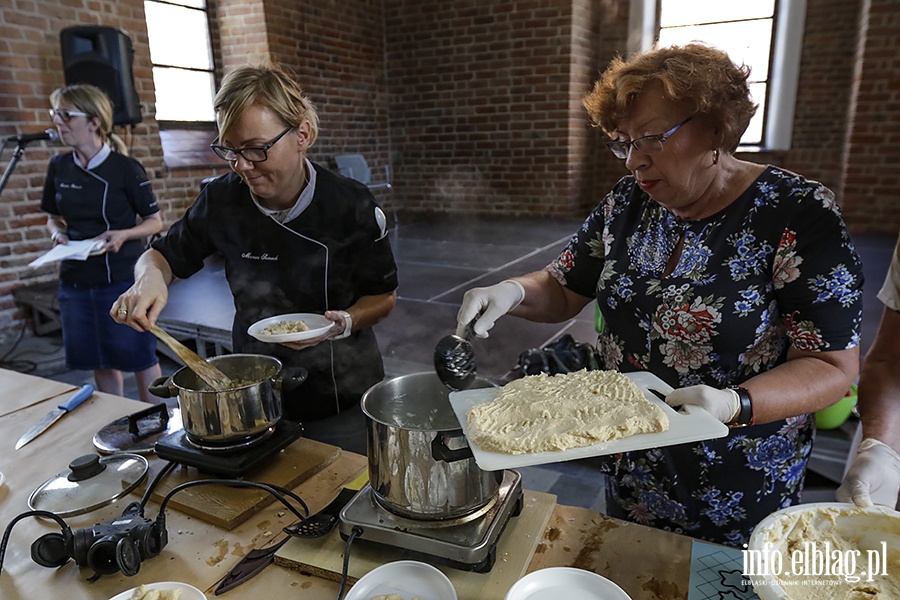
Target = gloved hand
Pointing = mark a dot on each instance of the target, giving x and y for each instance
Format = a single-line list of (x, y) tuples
[(491, 302), (874, 477), (722, 404)]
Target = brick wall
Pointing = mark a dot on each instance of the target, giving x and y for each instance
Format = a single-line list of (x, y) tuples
[(31, 68), (823, 92), (871, 191), (337, 50), (480, 105)]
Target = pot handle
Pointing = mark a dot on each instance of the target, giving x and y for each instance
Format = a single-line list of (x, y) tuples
[(135, 419), (440, 451), (292, 378), (161, 387)]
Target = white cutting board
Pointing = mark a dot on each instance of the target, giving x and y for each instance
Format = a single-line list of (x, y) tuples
[(690, 424)]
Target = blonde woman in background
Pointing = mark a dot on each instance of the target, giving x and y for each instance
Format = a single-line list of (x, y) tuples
[(97, 192)]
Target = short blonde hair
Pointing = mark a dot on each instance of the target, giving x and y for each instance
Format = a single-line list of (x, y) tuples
[(93, 101), (271, 86), (694, 74)]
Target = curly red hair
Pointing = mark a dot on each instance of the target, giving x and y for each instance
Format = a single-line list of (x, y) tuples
[(696, 75)]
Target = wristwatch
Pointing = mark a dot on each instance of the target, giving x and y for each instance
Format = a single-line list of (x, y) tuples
[(348, 325), (744, 416)]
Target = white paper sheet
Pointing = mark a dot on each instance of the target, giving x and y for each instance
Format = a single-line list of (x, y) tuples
[(74, 250)]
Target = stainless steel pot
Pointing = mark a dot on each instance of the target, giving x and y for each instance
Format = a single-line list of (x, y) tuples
[(420, 465), (250, 408)]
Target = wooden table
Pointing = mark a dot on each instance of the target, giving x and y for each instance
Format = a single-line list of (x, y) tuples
[(649, 564)]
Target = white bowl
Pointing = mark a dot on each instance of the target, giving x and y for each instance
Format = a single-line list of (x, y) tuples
[(188, 592), (407, 578), (867, 528), (565, 583), (317, 324)]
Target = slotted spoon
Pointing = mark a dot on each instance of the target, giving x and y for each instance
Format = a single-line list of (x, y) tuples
[(454, 360), (205, 371)]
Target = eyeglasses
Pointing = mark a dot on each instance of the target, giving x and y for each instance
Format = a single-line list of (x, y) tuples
[(650, 144), (253, 154), (65, 115)]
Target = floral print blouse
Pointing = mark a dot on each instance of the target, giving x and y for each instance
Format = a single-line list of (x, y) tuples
[(775, 268)]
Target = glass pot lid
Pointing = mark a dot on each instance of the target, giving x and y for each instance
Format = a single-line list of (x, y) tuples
[(91, 482)]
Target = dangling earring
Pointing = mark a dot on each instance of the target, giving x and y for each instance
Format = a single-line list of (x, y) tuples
[(716, 156)]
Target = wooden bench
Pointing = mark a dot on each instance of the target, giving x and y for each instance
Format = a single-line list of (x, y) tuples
[(39, 299)]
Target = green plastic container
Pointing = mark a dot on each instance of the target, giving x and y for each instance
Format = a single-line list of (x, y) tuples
[(835, 415)]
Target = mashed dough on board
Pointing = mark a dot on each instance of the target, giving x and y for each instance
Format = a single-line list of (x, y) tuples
[(540, 413)]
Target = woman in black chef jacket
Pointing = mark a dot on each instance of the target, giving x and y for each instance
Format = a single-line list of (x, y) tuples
[(97, 192), (295, 238)]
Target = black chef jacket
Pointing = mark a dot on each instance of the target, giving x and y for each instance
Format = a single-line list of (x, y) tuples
[(326, 258), (106, 197)]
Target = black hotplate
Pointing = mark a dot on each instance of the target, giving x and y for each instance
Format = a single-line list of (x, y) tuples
[(228, 461)]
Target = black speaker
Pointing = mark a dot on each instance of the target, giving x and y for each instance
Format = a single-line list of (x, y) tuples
[(103, 56)]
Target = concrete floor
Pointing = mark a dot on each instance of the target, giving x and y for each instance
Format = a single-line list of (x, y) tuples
[(438, 260)]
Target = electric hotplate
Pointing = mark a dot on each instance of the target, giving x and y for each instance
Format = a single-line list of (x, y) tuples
[(468, 544), (228, 461)]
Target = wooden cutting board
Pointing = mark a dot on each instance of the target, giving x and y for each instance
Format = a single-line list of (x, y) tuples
[(648, 563), (324, 557), (228, 507)]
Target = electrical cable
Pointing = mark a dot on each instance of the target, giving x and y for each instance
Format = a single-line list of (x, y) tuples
[(22, 366), (66, 530), (234, 483), (354, 533), (152, 485), (277, 491)]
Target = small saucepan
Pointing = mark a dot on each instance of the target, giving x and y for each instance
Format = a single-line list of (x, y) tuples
[(249, 408)]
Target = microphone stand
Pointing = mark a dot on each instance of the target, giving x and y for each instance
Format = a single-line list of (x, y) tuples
[(17, 155)]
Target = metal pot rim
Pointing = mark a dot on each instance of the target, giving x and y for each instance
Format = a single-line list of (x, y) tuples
[(225, 358)]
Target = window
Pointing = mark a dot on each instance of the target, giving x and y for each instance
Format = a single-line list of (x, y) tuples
[(765, 35), (182, 60)]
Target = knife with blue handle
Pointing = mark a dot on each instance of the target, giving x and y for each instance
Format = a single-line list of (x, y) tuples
[(51, 417)]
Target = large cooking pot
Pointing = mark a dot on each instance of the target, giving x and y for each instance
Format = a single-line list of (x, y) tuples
[(420, 465), (223, 417)]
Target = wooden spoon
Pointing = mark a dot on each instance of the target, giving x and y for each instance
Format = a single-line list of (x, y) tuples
[(207, 372)]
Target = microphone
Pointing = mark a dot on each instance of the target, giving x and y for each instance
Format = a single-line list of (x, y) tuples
[(24, 138)]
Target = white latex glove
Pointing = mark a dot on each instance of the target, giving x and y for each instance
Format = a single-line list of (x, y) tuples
[(491, 302), (874, 477), (722, 404)]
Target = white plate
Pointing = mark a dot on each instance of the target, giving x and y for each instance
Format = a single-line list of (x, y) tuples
[(407, 578), (693, 425), (317, 324), (870, 527), (188, 592), (565, 583)]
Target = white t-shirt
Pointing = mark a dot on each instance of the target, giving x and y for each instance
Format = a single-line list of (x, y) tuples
[(890, 291)]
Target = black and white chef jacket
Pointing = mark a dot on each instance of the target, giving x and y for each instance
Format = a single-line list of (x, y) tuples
[(324, 258), (106, 194)]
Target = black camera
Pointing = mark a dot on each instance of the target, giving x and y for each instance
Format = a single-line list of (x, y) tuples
[(117, 545)]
